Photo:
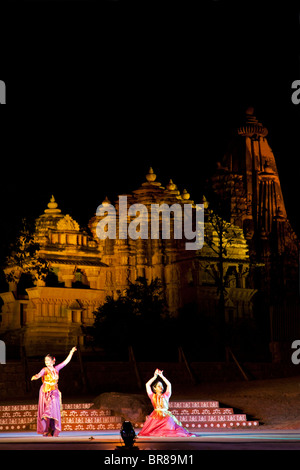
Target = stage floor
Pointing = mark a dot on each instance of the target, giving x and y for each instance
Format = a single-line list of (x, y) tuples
[(110, 441)]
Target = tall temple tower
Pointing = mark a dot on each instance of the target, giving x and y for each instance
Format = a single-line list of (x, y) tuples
[(248, 180)]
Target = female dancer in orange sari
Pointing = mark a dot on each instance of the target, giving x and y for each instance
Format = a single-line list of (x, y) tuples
[(49, 415), (161, 422)]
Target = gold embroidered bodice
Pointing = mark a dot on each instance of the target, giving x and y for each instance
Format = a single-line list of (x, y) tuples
[(50, 380)]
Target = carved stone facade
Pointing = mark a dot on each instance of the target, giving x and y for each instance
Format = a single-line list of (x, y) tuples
[(248, 179)]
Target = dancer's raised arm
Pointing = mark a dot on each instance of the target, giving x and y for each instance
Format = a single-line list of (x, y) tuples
[(148, 384), (168, 384), (67, 360)]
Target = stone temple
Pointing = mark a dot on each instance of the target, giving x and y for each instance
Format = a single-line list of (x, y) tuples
[(247, 178), (86, 270), (82, 270)]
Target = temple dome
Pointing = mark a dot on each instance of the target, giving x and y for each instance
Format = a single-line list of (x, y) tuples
[(47, 221), (171, 186), (151, 176), (67, 224), (251, 127), (185, 195), (52, 207)]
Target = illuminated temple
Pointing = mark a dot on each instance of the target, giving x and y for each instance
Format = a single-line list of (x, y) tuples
[(84, 270), (247, 178)]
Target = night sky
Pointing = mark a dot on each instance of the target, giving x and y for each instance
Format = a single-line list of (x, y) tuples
[(98, 93)]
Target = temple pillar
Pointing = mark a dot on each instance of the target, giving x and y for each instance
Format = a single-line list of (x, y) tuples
[(66, 275)]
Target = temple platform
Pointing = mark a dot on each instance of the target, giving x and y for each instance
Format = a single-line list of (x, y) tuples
[(194, 415)]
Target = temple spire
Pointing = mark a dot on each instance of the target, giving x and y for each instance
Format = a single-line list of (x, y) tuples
[(251, 127), (52, 207), (151, 176)]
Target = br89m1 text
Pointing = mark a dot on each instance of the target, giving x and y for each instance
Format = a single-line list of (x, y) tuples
[(172, 459)]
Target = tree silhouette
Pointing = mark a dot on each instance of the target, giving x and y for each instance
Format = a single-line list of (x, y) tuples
[(133, 317), (24, 257)]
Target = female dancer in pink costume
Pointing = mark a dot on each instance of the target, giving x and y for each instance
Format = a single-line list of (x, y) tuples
[(161, 422), (49, 417)]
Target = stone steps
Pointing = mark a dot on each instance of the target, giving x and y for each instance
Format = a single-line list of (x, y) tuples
[(16, 417), (82, 417), (207, 414), (203, 411), (89, 419), (75, 417)]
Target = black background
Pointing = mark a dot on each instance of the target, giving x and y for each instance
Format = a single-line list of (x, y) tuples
[(99, 91)]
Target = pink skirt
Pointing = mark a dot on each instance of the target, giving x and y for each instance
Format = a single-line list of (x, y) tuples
[(49, 415), (165, 426)]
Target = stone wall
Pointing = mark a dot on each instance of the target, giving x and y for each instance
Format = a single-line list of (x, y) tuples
[(12, 381), (104, 377)]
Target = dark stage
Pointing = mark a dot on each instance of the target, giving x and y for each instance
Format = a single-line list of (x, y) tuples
[(231, 440)]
